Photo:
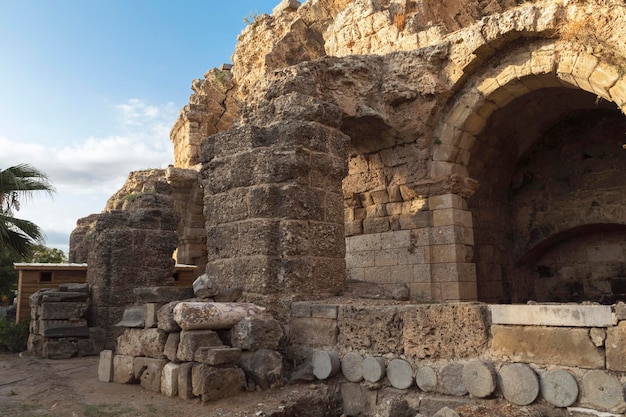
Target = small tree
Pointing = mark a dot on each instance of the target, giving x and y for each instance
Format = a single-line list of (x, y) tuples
[(18, 183)]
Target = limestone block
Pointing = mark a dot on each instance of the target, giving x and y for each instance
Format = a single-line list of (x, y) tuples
[(566, 315), (324, 311), (313, 333), (479, 378), (352, 366), (171, 346), (123, 369), (165, 317), (151, 319), (263, 367), (257, 332), (185, 390), (452, 217), (62, 311), (559, 388), (325, 364), (546, 345), (59, 348), (212, 316), (519, 383), (374, 369), (129, 342), (162, 294), (153, 343), (205, 287), (212, 383), (378, 329), (229, 295), (169, 380), (615, 346), (446, 331), (134, 316), (151, 376), (191, 340), (603, 390), (59, 297), (217, 356), (301, 309), (63, 328), (105, 366)]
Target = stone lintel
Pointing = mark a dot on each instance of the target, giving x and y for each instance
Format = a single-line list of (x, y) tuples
[(569, 315)]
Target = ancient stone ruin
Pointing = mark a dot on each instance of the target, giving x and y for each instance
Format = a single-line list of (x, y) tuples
[(387, 179)]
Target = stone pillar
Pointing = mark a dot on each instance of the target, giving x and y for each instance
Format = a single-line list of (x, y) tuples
[(128, 249), (274, 209), (453, 275)]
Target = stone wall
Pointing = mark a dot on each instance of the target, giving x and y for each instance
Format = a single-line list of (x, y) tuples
[(571, 355)]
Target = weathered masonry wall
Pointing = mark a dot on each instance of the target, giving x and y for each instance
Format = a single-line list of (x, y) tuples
[(431, 252), (567, 355)]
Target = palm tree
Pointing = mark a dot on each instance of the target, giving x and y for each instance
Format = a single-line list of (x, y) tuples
[(18, 183)]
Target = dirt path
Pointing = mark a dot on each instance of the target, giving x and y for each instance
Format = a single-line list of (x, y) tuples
[(70, 388)]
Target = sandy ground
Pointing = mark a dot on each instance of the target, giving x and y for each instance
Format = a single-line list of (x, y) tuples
[(31, 386)]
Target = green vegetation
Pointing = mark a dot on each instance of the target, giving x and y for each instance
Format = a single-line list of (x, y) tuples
[(17, 184), (13, 336)]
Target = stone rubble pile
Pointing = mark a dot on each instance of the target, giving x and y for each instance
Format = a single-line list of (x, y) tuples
[(59, 327), (196, 347)]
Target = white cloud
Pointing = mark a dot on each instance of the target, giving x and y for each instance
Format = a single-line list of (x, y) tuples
[(87, 172)]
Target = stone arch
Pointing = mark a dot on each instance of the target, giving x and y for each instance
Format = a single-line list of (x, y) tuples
[(533, 67)]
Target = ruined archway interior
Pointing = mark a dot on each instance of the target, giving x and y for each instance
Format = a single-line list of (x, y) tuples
[(549, 215)]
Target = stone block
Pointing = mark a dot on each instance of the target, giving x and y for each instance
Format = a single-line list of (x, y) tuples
[(462, 330), (165, 317), (129, 342), (357, 400), (191, 340), (205, 287), (217, 355), (151, 375), (569, 315), (313, 333), (74, 287), (60, 297), (212, 316), (615, 346), (133, 316), (171, 346), (169, 380), (263, 367), (378, 329), (546, 345), (185, 389), (257, 332), (63, 328), (301, 309), (62, 311), (105, 366), (452, 217), (151, 319), (162, 294), (153, 343), (123, 372), (213, 383)]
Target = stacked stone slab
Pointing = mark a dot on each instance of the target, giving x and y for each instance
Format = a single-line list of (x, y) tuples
[(59, 327), (196, 348)]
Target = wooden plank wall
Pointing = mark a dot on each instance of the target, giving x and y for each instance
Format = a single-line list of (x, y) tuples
[(29, 283)]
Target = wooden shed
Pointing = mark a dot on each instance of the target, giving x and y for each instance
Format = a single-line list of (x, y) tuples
[(35, 276)]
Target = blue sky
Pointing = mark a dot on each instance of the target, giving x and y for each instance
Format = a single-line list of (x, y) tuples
[(89, 90)]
